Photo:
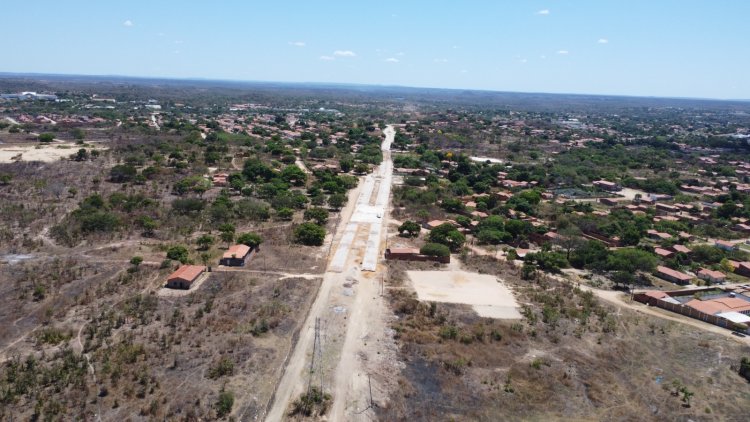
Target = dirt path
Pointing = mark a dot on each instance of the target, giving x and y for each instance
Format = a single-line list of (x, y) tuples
[(353, 319), (621, 299), (302, 166)]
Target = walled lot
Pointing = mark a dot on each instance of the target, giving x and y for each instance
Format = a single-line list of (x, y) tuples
[(488, 296)]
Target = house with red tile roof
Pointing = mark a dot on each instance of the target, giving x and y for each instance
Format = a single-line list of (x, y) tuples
[(674, 276), (236, 256), (682, 249), (725, 245), (712, 276), (663, 253), (185, 276)]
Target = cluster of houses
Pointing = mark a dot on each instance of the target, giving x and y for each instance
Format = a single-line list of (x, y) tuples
[(188, 275), (729, 308)]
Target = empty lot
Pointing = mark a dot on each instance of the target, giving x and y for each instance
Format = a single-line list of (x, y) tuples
[(487, 295)]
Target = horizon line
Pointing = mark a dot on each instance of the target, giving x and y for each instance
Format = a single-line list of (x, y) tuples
[(4, 74)]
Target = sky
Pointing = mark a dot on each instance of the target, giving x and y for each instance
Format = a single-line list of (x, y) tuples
[(665, 48)]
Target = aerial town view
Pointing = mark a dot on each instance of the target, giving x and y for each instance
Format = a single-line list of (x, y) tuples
[(352, 212)]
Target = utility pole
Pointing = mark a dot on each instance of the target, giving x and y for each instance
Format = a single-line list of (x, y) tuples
[(369, 384)]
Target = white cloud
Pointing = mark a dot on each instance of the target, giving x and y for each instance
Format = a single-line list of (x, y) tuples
[(128, 23), (464, 71), (178, 42), (542, 57), (327, 58), (562, 52), (603, 41), (400, 53), (297, 43), (391, 60), (543, 12), (523, 60), (441, 60), (344, 53)]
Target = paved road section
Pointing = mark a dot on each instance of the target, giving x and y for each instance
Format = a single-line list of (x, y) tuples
[(369, 212)]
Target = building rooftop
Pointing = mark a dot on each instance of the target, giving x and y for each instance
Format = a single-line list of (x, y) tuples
[(237, 251), (673, 273), (187, 272)]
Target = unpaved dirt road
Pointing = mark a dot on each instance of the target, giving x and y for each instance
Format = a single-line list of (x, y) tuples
[(355, 341)]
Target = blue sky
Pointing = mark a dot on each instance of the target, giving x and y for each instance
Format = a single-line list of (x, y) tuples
[(683, 48)]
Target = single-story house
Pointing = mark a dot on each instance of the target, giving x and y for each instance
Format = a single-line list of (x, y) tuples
[(672, 275), (725, 245), (712, 276), (434, 223), (682, 249), (741, 268), (657, 235), (479, 214), (184, 277), (220, 179), (606, 185), (666, 208), (609, 201), (236, 256), (663, 253)]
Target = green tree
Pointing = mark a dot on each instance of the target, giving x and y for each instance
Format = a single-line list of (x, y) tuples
[(591, 255), (78, 134), (518, 228), (149, 226), (448, 236), (493, 237), (81, 155), (361, 168), (309, 234), (136, 262), (435, 249), (630, 260), (205, 241), (285, 214), (46, 137), (178, 253), (294, 175), (346, 165), (317, 214), (686, 395), (122, 173), (227, 236), (453, 205), (224, 403), (547, 260), (528, 271), (409, 229), (252, 240), (337, 200), (726, 266)]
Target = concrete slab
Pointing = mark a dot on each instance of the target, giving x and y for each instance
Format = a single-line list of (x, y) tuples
[(487, 295)]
